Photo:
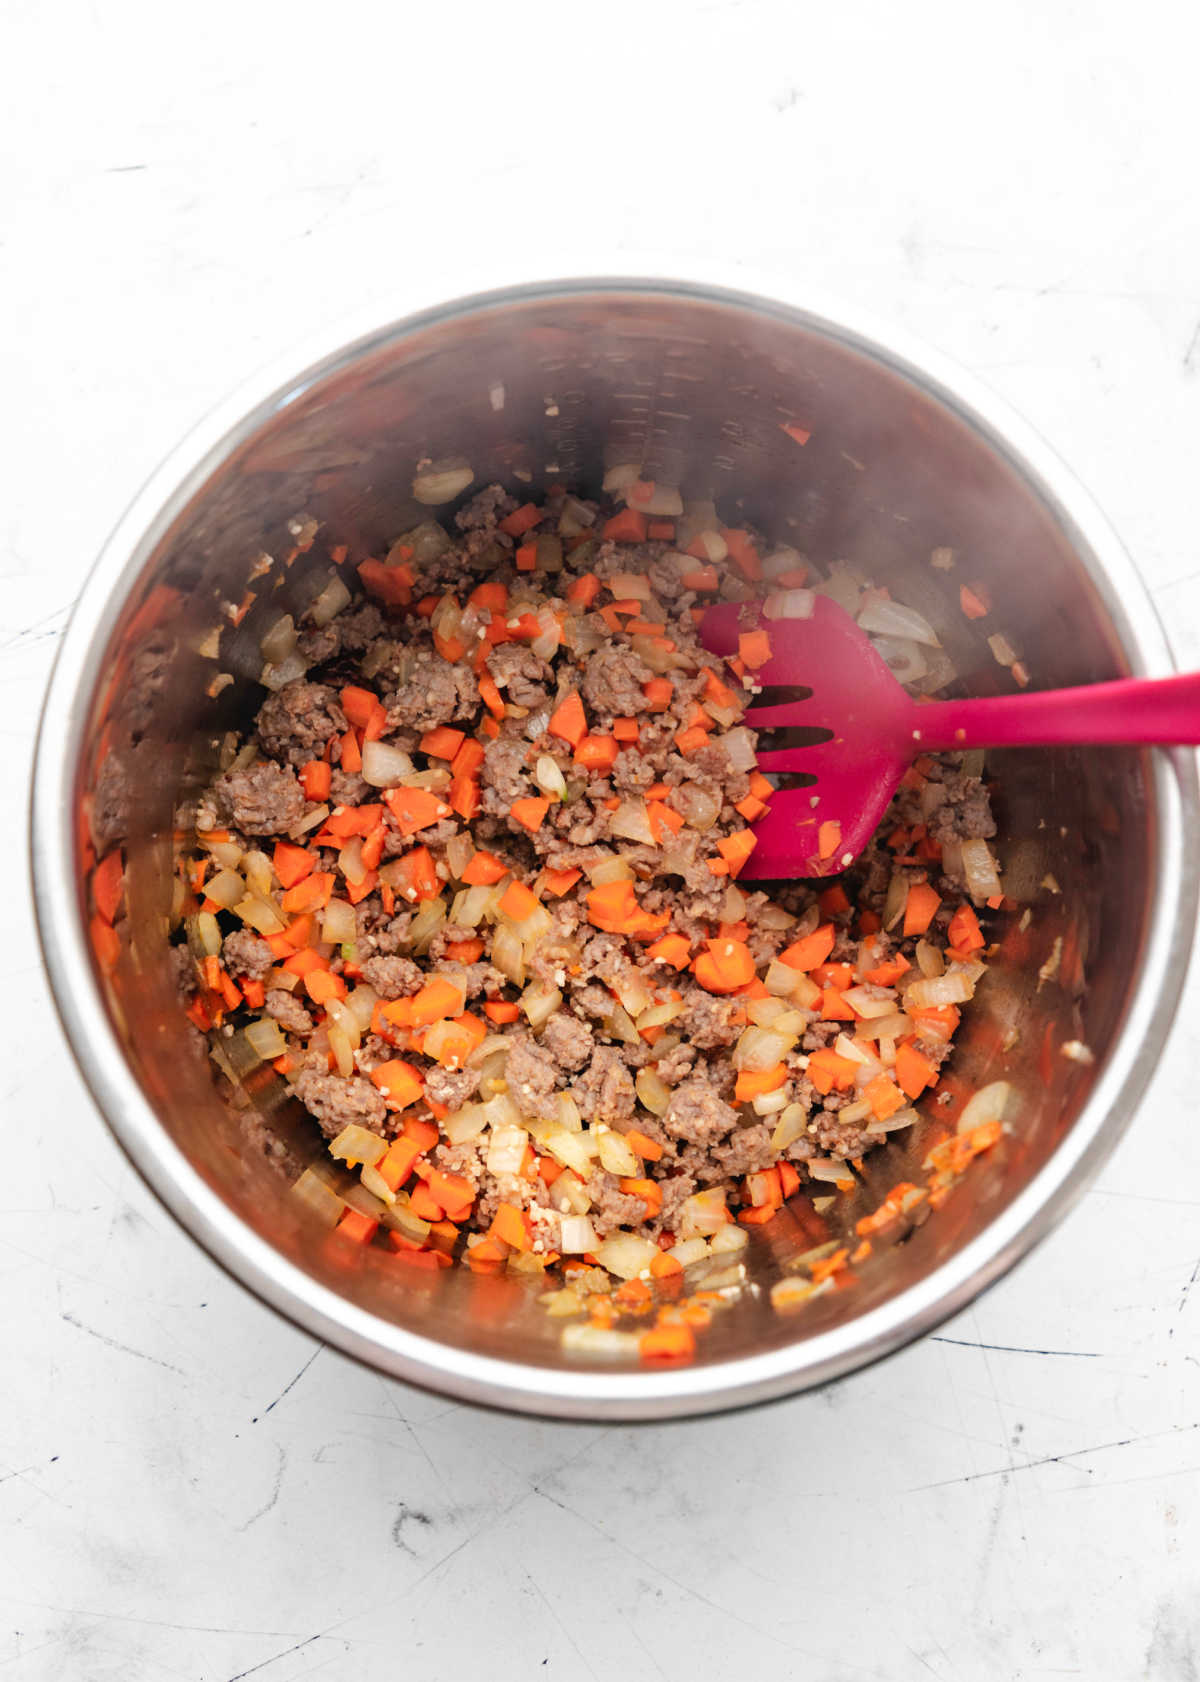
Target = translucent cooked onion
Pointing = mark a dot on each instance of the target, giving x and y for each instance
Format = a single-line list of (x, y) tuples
[(657, 1016), (863, 1001), (830, 1170), (374, 1182), (938, 990), (262, 915), (582, 1337), (733, 905), (609, 869), (618, 478), (442, 482), (903, 658), (698, 807), (630, 821), (895, 1122), (384, 766), (632, 584), (431, 914), (277, 643), (930, 961), (278, 674), (321, 1200), (884, 618), (729, 1240), (258, 871), (266, 1037), (343, 1052), (576, 1236), (339, 923), (350, 860), (316, 815), (739, 749), (626, 1255), (228, 854), (573, 1150), (465, 1124), (893, 1026), (781, 979), (768, 1103), (653, 1094), (761, 1048), (333, 598), (340, 1015), (790, 604), (548, 776), (460, 849), (620, 1026), (617, 1156), (634, 992), (850, 1050), (506, 1149), (472, 905), (539, 1001), (225, 888), (688, 1251), (990, 1103), (357, 1144), (653, 654), (702, 1213), (362, 1002), (897, 898), (979, 868), (663, 500)]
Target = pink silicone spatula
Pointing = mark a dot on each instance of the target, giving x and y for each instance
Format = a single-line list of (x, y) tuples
[(876, 729)]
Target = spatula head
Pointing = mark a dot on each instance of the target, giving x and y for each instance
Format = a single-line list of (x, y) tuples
[(819, 829)]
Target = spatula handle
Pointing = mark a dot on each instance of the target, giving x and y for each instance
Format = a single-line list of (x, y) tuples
[(1164, 710)]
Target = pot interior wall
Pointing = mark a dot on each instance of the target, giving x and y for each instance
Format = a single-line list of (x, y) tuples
[(551, 387)]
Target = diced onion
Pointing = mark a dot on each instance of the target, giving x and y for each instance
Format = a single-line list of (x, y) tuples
[(790, 604), (698, 807), (690, 1250), (864, 1002), (226, 888), (937, 990), (990, 1103), (979, 868), (893, 1026), (930, 961), (620, 477), (339, 923), (442, 482), (904, 660), (853, 1053), (739, 749), (539, 1001), (261, 914), (893, 1123), (576, 1236), (279, 641), (630, 820), (506, 1149), (828, 1169), (548, 776), (361, 1003), (729, 1240), (333, 598), (341, 1016), (467, 1123), (617, 1155), (626, 1255), (584, 1338), (891, 619), (225, 853), (343, 1052), (652, 1092), (769, 1103), (266, 1038), (611, 868), (472, 905), (702, 1213), (384, 766), (350, 860), (659, 1015), (357, 1144), (277, 675), (761, 1048), (431, 914)]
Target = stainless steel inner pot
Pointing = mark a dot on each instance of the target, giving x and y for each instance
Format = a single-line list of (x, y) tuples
[(695, 383)]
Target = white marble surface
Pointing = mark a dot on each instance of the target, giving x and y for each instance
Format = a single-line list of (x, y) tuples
[(188, 1487)]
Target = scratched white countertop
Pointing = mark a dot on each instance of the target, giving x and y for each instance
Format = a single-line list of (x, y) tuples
[(190, 1488)]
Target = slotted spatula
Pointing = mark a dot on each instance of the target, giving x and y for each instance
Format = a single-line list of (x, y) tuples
[(875, 729)]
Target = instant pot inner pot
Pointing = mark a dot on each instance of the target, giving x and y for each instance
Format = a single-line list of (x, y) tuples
[(700, 393)]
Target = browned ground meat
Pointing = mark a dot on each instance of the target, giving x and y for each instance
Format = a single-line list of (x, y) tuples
[(295, 724), (337, 1101), (287, 1010), (587, 814), (245, 953), (264, 799)]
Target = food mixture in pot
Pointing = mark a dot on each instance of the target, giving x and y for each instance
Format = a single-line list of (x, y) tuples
[(471, 886)]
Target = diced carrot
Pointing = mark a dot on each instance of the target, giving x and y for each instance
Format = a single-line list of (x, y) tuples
[(661, 531), (311, 894), (392, 585), (415, 808), (937, 1021), (582, 591), (626, 527), (518, 902), (521, 519), (492, 595), (359, 705), (490, 695), (914, 1071), (758, 1216), (468, 759), (834, 1008), (667, 1343), (754, 1083), (700, 578), (399, 1082), (351, 756), (108, 880), (648, 1149), (750, 809), (742, 552), (526, 557), (414, 875), (442, 743), (427, 606), (920, 907), (465, 951), (826, 1069), (789, 1180), (357, 1227), (735, 849), (964, 930), (691, 740), (292, 864), (612, 906), (463, 795), (884, 1097), (658, 692), (663, 818), (673, 949), (726, 966), (664, 1265), (829, 838), (396, 1163), (754, 648), (889, 972), (436, 999), (255, 992), (530, 812), (559, 882), (345, 821), (568, 720), (483, 869), (812, 950), (649, 1191), (501, 1010), (597, 753), (424, 1204), (973, 602), (454, 1192), (625, 729), (511, 1226), (321, 985)]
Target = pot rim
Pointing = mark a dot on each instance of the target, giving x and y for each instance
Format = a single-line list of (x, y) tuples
[(582, 1392)]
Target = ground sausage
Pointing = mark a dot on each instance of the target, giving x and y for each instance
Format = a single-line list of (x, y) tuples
[(337, 1100), (264, 799), (295, 724)]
